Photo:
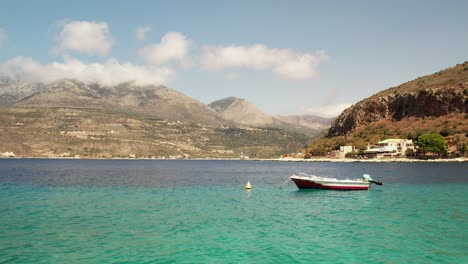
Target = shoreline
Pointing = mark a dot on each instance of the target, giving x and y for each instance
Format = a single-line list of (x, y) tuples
[(337, 160), (463, 159)]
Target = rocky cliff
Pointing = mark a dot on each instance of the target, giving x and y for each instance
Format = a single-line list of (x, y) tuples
[(439, 94), (16, 89)]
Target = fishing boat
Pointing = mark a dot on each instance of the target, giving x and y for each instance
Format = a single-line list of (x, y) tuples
[(306, 181)]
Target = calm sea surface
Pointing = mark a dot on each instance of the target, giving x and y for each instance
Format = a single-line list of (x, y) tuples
[(85, 211)]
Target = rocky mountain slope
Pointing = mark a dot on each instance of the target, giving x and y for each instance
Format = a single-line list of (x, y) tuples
[(439, 94), (310, 121), (241, 111), (70, 118), (437, 103), (157, 101), (15, 89), (96, 133)]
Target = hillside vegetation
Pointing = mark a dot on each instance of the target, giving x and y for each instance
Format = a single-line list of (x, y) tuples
[(435, 95), (437, 103), (96, 133)]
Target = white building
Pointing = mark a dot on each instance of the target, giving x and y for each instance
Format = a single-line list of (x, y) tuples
[(389, 148)]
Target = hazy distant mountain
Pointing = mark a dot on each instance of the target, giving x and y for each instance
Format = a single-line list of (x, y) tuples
[(310, 121), (157, 101), (13, 90), (241, 111)]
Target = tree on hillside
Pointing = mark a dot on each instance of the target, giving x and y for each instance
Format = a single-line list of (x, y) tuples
[(433, 143)]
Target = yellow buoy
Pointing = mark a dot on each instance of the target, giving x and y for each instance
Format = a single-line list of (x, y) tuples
[(248, 186)]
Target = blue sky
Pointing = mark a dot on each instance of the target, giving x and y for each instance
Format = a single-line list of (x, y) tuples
[(287, 57)]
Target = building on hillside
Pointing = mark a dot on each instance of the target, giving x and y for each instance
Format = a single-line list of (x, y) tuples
[(392, 147), (341, 153)]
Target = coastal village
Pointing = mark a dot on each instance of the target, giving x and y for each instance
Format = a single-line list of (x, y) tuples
[(391, 149)]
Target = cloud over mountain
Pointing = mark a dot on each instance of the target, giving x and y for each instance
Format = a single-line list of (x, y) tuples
[(76, 38), (87, 37), (110, 72), (285, 63)]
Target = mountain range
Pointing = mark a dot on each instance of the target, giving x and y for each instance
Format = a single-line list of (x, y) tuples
[(71, 117), (241, 111), (156, 101), (13, 90), (238, 127)]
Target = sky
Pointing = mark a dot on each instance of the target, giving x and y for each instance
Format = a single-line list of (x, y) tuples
[(286, 57)]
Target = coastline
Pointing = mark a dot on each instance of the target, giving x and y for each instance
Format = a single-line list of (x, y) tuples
[(462, 159), (323, 159)]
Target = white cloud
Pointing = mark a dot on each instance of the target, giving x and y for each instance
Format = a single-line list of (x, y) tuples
[(327, 110), (286, 63), (173, 47), (141, 32), (3, 36), (86, 37), (111, 72)]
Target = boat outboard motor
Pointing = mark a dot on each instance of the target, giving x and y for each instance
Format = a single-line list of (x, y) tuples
[(369, 179)]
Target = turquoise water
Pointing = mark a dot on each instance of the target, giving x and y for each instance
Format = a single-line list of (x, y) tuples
[(86, 212)]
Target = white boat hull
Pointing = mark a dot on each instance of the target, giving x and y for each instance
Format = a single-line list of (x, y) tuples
[(316, 182)]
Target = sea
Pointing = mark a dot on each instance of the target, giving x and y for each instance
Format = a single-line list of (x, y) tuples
[(161, 211)]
